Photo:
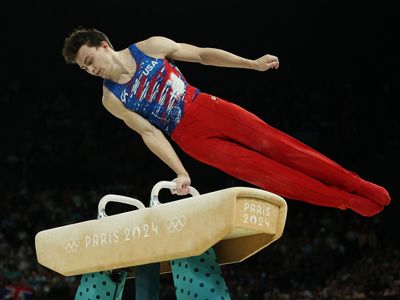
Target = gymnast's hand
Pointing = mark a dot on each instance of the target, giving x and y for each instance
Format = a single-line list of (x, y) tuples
[(182, 185), (266, 62)]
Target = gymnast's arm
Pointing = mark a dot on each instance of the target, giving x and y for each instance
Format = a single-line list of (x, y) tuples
[(152, 137), (162, 47)]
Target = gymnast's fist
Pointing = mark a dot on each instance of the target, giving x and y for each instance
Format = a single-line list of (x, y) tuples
[(182, 185), (266, 62)]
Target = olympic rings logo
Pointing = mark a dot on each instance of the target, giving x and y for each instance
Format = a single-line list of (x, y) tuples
[(71, 245), (175, 224)]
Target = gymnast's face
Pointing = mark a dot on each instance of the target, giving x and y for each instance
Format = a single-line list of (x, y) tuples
[(96, 61)]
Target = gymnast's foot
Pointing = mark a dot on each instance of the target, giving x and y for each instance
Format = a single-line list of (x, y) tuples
[(364, 206), (374, 192)]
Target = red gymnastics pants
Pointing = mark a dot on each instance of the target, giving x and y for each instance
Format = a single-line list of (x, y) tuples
[(229, 138)]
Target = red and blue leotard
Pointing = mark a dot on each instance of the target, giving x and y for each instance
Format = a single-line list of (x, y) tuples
[(157, 91)]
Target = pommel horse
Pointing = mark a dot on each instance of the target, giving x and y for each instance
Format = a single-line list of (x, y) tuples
[(236, 222)]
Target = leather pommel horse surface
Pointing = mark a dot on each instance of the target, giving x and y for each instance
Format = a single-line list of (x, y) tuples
[(237, 222)]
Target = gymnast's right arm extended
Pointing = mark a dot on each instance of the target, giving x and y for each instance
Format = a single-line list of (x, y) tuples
[(152, 137)]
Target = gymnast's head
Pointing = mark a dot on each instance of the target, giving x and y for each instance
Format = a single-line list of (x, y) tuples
[(90, 49)]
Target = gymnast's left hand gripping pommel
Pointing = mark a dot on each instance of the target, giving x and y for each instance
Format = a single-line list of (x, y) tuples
[(166, 185)]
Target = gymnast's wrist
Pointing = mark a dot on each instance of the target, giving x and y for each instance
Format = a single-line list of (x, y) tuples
[(253, 64), (182, 174)]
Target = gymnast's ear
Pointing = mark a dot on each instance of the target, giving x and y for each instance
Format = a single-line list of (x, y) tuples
[(105, 45)]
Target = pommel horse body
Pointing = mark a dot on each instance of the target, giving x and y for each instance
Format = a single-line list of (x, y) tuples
[(236, 222)]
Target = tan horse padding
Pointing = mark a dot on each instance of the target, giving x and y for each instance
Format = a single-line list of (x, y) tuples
[(237, 222)]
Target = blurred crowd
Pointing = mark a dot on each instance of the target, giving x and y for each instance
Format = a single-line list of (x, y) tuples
[(62, 152)]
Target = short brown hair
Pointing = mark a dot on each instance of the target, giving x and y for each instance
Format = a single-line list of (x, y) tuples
[(79, 37)]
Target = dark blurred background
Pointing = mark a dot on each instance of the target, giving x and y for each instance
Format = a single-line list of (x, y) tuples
[(336, 90)]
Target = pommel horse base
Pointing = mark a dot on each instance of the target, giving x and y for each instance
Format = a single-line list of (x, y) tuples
[(237, 222)]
